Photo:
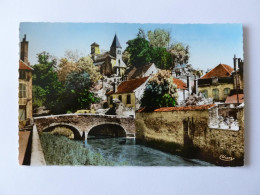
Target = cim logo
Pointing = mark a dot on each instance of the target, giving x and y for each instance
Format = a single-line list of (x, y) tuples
[(226, 158)]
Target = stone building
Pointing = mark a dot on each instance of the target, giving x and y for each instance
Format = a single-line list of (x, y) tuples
[(217, 83), (128, 92), (25, 83), (109, 63)]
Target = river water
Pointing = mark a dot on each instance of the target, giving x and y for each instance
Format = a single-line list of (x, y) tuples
[(122, 150)]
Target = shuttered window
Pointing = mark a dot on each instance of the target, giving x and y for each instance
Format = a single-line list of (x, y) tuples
[(215, 93), (128, 100), (22, 90)]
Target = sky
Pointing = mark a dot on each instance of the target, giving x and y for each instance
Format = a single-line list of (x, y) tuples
[(210, 44)]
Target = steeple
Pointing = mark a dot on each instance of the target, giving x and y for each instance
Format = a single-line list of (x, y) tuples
[(116, 43)]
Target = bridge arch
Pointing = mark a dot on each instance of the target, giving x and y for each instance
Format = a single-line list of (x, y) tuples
[(110, 129), (76, 132)]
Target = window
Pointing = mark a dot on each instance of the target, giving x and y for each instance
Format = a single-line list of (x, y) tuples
[(22, 74), (205, 93), (111, 99), (22, 90), (128, 99), (215, 93), (120, 98), (226, 92), (119, 52)]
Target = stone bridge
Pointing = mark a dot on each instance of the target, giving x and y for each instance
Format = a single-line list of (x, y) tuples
[(82, 124)]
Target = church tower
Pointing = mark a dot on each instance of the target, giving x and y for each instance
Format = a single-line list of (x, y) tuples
[(95, 48), (116, 51)]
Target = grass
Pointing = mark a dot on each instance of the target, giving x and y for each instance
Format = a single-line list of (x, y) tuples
[(59, 150)]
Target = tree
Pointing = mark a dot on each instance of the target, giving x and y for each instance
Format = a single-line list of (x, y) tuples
[(139, 50), (126, 57), (65, 67), (86, 64), (161, 58), (141, 33), (46, 86), (77, 95), (160, 91), (180, 54), (159, 38)]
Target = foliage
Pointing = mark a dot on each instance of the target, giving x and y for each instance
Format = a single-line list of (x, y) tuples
[(139, 50), (161, 57), (46, 87), (59, 150), (126, 57), (86, 64), (141, 33), (159, 38), (77, 94), (65, 67), (75, 62), (160, 91), (180, 54)]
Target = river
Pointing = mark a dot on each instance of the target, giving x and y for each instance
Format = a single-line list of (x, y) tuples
[(126, 150)]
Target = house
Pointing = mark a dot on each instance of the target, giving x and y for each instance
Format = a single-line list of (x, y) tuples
[(181, 89), (217, 83), (142, 71), (25, 83), (128, 92), (109, 63)]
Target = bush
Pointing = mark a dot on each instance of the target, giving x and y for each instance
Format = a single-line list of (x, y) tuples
[(59, 150)]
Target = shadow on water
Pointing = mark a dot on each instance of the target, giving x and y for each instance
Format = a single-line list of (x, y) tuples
[(122, 149)]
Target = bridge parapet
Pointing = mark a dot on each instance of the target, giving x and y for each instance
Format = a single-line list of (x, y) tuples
[(84, 122)]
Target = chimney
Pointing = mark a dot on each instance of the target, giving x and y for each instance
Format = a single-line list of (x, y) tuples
[(115, 86), (196, 86), (189, 84), (235, 63), (24, 50)]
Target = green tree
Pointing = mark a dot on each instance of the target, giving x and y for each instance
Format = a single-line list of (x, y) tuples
[(161, 58), (46, 86), (180, 54), (159, 38), (160, 91), (140, 51), (77, 94)]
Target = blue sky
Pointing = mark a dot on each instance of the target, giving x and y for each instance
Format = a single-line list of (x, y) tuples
[(210, 44)]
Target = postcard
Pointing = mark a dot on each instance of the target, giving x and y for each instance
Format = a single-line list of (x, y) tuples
[(129, 94)]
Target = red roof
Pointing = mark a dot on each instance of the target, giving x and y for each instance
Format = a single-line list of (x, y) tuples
[(23, 66), (233, 99), (180, 84), (130, 86), (183, 108), (222, 70)]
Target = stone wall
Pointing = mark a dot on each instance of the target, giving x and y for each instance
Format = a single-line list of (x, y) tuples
[(186, 132)]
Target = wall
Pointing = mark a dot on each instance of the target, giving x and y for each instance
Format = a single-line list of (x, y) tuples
[(220, 87), (28, 100), (124, 99), (166, 131)]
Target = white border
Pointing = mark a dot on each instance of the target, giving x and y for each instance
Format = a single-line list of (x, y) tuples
[(127, 180)]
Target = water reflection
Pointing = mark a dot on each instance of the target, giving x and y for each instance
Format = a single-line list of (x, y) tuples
[(125, 150)]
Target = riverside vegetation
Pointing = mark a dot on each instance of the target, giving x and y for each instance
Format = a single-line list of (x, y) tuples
[(60, 150)]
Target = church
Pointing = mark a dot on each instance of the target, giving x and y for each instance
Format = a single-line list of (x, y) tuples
[(111, 62)]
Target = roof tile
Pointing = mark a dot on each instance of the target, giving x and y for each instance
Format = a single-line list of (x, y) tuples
[(222, 70)]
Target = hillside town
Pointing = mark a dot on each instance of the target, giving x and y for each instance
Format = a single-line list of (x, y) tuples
[(199, 116)]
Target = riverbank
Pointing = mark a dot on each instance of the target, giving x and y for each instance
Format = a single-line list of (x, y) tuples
[(59, 150)]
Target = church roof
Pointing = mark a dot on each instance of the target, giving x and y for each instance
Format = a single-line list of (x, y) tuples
[(116, 43), (222, 70), (94, 44)]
